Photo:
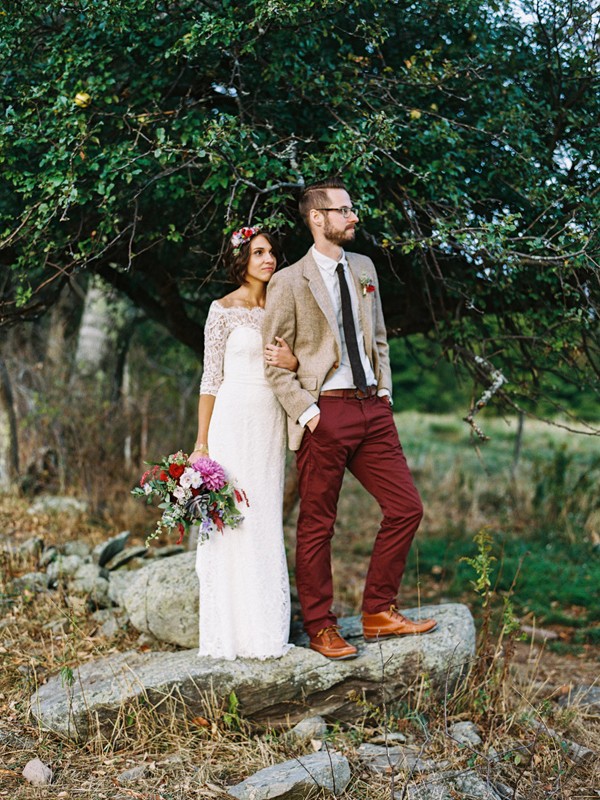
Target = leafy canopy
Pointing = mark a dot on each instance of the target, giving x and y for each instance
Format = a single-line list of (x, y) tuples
[(136, 135)]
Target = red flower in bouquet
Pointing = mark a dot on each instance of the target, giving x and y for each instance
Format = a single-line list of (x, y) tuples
[(176, 470)]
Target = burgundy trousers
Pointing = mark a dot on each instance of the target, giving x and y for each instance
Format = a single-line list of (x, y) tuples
[(360, 435)]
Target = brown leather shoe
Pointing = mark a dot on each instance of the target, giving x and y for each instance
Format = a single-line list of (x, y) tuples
[(392, 623), (329, 643)]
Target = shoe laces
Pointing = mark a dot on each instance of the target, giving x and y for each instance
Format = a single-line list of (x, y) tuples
[(394, 611), (332, 630)]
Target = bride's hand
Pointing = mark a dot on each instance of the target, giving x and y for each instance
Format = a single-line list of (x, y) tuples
[(201, 452), (280, 355)]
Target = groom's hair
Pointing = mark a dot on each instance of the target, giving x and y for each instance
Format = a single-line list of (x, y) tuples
[(315, 196)]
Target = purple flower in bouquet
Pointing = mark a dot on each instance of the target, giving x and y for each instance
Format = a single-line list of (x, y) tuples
[(213, 475)]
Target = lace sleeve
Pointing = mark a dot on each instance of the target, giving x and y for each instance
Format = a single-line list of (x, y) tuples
[(215, 338)]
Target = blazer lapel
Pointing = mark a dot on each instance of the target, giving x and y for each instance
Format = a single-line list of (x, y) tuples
[(364, 318), (319, 291)]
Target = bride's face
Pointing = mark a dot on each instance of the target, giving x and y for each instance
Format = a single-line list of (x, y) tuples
[(262, 262)]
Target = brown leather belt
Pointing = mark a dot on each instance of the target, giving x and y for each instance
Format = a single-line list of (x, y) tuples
[(352, 394)]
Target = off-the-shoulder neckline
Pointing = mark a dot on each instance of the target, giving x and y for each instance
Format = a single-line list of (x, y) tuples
[(236, 308)]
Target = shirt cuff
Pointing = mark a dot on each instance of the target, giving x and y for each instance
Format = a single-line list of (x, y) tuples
[(385, 393), (307, 415)]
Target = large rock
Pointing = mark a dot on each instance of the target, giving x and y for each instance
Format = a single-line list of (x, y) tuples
[(163, 599), (276, 691), (297, 779), (56, 504)]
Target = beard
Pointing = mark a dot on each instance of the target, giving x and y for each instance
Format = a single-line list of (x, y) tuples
[(337, 237)]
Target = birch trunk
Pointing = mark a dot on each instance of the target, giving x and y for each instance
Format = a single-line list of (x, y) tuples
[(9, 446), (103, 340)]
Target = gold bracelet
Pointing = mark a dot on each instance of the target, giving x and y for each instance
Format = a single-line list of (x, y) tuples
[(200, 446)]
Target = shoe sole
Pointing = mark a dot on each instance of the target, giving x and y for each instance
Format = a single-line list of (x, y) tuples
[(391, 634), (334, 658)]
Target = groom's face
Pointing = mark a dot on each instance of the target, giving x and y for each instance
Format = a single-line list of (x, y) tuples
[(337, 228)]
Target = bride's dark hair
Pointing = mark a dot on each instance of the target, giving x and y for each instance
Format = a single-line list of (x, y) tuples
[(237, 256)]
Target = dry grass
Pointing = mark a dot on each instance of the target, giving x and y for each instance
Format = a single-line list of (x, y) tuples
[(198, 757)]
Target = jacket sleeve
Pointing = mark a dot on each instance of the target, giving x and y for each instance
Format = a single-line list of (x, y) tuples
[(384, 379), (280, 320)]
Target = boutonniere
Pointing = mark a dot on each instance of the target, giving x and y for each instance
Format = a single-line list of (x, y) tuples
[(367, 284)]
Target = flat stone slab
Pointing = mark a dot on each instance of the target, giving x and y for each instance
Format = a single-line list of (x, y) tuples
[(276, 692), (400, 758), (298, 779)]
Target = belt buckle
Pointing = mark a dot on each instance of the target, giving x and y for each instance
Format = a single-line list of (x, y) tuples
[(370, 392)]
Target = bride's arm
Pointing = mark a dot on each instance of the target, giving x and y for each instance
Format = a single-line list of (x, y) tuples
[(206, 403), (215, 338)]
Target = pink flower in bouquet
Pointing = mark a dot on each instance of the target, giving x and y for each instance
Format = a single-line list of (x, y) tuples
[(213, 475)]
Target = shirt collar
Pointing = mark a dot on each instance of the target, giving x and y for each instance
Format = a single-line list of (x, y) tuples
[(328, 264)]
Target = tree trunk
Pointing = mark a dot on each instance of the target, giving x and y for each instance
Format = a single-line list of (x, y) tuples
[(64, 321), (104, 333), (9, 446), (94, 332)]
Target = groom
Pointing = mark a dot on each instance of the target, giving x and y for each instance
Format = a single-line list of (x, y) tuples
[(328, 309)]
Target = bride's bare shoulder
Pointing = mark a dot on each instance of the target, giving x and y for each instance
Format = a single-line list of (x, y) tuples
[(231, 300)]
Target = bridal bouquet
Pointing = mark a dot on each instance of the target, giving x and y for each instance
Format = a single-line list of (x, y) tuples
[(191, 494)]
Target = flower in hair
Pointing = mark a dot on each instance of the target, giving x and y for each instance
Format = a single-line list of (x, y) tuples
[(241, 237)]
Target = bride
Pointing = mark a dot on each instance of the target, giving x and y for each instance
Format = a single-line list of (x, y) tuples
[(244, 585)]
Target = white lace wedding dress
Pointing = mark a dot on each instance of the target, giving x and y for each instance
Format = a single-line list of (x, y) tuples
[(244, 585)]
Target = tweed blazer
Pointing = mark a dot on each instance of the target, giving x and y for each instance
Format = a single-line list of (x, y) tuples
[(299, 309)]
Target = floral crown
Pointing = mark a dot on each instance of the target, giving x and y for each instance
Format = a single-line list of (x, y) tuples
[(242, 237)]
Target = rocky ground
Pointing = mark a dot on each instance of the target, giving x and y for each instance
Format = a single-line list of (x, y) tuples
[(530, 730)]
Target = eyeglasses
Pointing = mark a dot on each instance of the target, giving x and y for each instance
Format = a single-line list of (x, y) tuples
[(345, 211)]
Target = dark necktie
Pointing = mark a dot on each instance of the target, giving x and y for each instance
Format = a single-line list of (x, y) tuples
[(358, 373)]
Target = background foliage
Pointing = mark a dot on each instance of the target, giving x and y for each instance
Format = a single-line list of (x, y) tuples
[(136, 135)]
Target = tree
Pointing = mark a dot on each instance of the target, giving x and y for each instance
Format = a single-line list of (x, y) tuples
[(137, 135), (9, 447), (103, 339)]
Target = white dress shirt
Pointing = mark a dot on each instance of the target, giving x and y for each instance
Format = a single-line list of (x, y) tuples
[(342, 378)]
